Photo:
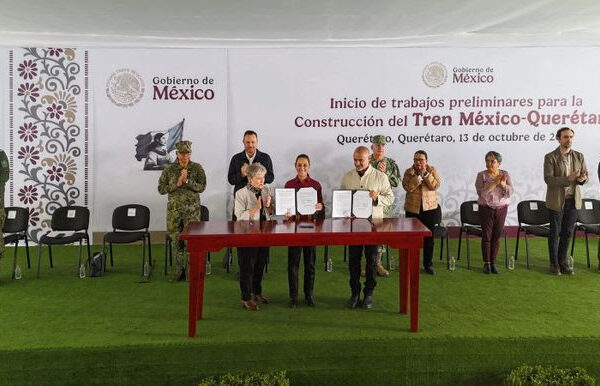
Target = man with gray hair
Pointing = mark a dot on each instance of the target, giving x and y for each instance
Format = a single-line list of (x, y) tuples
[(366, 177)]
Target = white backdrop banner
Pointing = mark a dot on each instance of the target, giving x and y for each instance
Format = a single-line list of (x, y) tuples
[(144, 102), (456, 104)]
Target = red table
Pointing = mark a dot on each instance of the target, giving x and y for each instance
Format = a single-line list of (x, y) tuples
[(405, 234)]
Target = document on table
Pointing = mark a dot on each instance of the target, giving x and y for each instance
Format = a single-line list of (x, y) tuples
[(285, 201), (306, 198), (341, 205), (362, 204)]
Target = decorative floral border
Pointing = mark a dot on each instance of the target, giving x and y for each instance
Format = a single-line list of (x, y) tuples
[(48, 132)]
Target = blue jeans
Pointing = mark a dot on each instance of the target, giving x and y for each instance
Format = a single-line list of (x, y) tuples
[(561, 228)]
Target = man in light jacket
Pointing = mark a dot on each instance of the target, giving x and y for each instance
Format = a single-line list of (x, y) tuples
[(366, 177)]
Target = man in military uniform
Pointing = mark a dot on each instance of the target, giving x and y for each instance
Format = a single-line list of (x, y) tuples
[(384, 164), (4, 174), (183, 181)]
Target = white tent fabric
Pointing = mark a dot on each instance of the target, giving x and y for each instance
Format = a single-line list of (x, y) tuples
[(292, 23)]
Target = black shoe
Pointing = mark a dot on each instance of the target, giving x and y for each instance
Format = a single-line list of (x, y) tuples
[(292, 303), (554, 269), (486, 268), (430, 270), (368, 302), (493, 269), (565, 270), (354, 301), (309, 301)]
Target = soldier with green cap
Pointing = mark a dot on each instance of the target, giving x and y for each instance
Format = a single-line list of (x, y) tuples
[(4, 174), (388, 166), (183, 181)]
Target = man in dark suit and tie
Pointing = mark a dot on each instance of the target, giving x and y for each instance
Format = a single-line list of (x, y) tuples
[(564, 172)]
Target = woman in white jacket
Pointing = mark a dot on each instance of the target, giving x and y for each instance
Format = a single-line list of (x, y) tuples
[(253, 202)]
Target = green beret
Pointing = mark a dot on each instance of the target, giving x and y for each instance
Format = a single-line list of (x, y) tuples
[(378, 140), (184, 146)]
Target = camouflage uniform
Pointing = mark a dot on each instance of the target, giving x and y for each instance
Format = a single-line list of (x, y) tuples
[(393, 173), (184, 201), (4, 174)]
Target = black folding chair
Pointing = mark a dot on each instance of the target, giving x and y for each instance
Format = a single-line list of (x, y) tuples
[(588, 221), (130, 223), (471, 225), (14, 229), (534, 219), (204, 216), (69, 224)]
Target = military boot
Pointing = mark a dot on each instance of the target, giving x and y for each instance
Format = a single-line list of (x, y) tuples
[(179, 274), (380, 270)]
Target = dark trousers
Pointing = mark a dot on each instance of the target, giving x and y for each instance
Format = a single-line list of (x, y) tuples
[(561, 227), (355, 254), (252, 266), (492, 225), (429, 218), (309, 269)]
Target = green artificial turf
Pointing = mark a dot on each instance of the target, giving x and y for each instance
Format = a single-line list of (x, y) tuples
[(473, 327)]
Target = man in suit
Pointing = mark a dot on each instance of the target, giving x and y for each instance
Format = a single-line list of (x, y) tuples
[(564, 171), (240, 161)]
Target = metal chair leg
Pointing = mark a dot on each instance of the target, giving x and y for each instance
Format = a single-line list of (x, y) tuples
[(517, 245), (87, 239), (150, 250), (460, 232), (80, 251), (103, 251), (468, 251), (39, 260), (50, 253), (112, 264), (587, 249), (27, 251), (15, 259), (527, 249), (144, 254)]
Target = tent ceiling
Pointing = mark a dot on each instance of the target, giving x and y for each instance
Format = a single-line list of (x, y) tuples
[(298, 23)]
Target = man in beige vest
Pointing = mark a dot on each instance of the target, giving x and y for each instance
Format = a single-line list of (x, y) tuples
[(564, 171)]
